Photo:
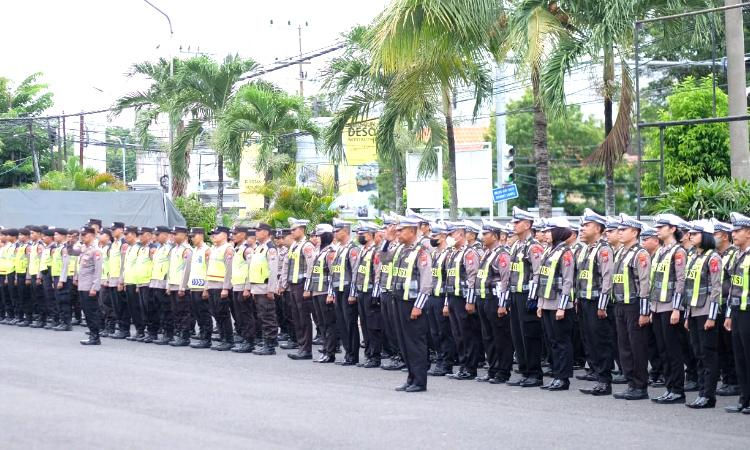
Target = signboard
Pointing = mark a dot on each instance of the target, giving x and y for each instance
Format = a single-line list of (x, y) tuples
[(505, 193)]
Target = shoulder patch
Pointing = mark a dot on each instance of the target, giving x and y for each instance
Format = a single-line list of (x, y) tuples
[(331, 256), (714, 265), (536, 251), (152, 251), (185, 254), (64, 251), (308, 251), (354, 254), (208, 254), (423, 259), (28, 250), (605, 255), (503, 260), (643, 259), (679, 259), (567, 257), (39, 248), (376, 259), (97, 256), (470, 259), (272, 252)]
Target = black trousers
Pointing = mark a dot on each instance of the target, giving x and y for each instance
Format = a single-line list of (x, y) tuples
[(220, 310), (598, 337), (267, 315), (442, 335), (370, 309), (199, 306), (90, 305), (244, 316), (741, 346), (26, 301), (670, 350), (39, 297), (560, 334), (284, 315), (579, 344), (329, 329), (632, 340), (726, 353), (75, 303), (120, 308), (705, 344), (49, 295), (106, 309), (526, 329), (657, 368), (135, 309), (4, 299), (466, 332), (150, 307), (10, 295), (163, 303), (498, 343), (691, 363), (63, 299), (346, 318), (302, 312), (386, 308), (412, 338), (364, 329), (181, 309)]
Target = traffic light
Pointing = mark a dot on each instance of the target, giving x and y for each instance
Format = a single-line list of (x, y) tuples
[(507, 176)]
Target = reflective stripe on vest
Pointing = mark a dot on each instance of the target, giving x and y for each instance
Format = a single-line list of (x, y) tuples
[(161, 262), (295, 257), (198, 269), (10, 259), (485, 271), (176, 265), (56, 265), (340, 268), (46, 260), (437, 271), (365, 268), (144, 267), (624, 278), (455, 272), (664, 266), (34, 259), (3, 253), (105, 265), (115, 259), (239, 266), (259, 270), (318, 272), (410, 258), (217, 268), (22, 262), (389, 280), (586, 276), (549, 272), (131, 258), (693, 288), (742, 281)]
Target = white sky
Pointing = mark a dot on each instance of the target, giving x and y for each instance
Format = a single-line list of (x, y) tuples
[(81, 45)]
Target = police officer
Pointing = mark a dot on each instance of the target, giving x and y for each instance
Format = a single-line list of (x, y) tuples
[(178, 277), (105, 298), (462, 268), (702, 297), (242, 302), (129, 283), (294, 271), (316, 287), (89, 283), (158, 285), (666, 305), (526, 327), (413, 279), (631, 287), (368, 298), (219, 285), (144, 269), (650, 242), (387, 306), (23, 287), (264, 284), (75, 247), (594, 290), (116, 260), (738, 311), (5, 303), (34, 280), (473, 233), (423, 229), (11, 293), (45, 273), (346, 260), (62, 278), (728, 253), (440, 325), (494, 267), (199, 298)]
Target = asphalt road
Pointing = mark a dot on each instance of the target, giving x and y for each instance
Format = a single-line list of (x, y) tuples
[(55, 393)]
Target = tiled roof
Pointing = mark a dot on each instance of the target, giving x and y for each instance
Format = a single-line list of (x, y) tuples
[(466, 135)]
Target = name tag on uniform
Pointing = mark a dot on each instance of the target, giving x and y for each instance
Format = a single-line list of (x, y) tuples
[(316, 269), (736, 280), (482, 274), (584, 275), (402, 272), (338, 269), (451, 272), (693, 274), (385, 269), (544, 270), (515, 267), (618, 278), (435, 272), (662, 267), (361, 269)]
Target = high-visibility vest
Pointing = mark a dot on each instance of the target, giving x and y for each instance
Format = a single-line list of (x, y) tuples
[(34, 258), (105, 262), (144, 265), (56, 264), (663, 284), (320, 272), (388, 269), (549, 273), (738, 296), (177, 265), (46, 260), (365, 268), (239, 266), (115, 259), (22, 260), (410, 283), (589, 274), (521, 265), (10, 259), (259, 270), (483, 273), (697, 280), (198, 265), (454, 273), (437, 272), (129, 274), (625, 283), (3, 253), (217, 269), (161, 262), (297, 264)]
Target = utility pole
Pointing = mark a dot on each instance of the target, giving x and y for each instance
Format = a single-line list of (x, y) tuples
[(33, 152), (301, 72), (59, 148), (65, 140), (739, 147), (81, 142), (502, 207)]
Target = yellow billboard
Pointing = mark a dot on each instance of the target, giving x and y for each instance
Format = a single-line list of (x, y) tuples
[(250, 178)]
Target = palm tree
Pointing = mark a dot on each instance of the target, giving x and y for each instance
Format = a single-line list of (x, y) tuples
[(603, 33), (263, 111), (436, 46)]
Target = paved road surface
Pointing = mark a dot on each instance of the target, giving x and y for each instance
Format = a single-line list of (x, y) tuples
[(55, 393)]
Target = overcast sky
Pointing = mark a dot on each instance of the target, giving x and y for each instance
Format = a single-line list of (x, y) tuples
[(85, 47)]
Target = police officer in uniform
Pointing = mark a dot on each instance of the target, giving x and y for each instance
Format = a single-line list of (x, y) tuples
[(738, 310), (473, 236), (728, 253), (45, 273), (158, 285), (368, 297), (494, 266), (631, 287), (650, 242), (440, 325), (462, 268), (4, 296), (299, 259), (411, 291), (39, 302), (241, 305), (89, 284), (62, 280), (594, 291), (342, 289), (317, 283), (144, 269), (23, 287), (219, 285), (129, 282), (387, 307), (116, 260), (178, 277), (105, 299), (9, 278), (199, 299), (526, 327), (264, 284)]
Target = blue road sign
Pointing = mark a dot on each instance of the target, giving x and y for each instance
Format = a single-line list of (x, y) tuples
[(505, 193)]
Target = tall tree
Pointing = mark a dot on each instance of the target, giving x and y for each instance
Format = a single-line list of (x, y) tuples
[(437, 46)]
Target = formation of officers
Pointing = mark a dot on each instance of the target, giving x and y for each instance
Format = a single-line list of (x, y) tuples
[(631, 304)]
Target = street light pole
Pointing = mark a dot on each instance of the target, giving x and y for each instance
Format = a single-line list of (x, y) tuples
[(122, 144)]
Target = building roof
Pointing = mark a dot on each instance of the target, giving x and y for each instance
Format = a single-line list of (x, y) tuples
[(464, 136)]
